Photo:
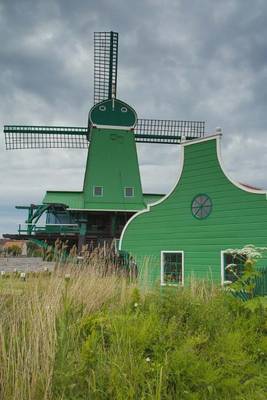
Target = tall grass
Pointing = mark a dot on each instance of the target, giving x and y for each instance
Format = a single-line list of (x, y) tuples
[(32, 315), (82, 334)]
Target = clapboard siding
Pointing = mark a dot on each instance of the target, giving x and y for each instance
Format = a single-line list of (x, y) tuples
[(239, 217)]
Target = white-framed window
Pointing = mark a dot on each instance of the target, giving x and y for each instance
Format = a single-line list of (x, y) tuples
[(128, 192), (172, 267), (98, 191), (232, 266)]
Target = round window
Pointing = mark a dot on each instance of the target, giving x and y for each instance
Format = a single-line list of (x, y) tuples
[(102, 108), (201, 206), (124, 109)]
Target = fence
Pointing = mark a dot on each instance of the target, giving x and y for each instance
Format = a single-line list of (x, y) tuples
[(261, 283)]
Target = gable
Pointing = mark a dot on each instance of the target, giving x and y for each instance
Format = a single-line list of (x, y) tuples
[(238, 216)]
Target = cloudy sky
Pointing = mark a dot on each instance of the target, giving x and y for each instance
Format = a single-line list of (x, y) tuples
[(178, 59)]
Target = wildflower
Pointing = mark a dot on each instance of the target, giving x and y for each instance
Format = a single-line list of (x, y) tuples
[(23, 276), (148, 359), (67, 277), (135, 305)]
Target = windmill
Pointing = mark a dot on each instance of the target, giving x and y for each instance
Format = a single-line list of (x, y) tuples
[(112, 190)]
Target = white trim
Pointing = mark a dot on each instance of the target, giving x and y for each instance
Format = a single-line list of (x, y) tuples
[(216, 137), (162, 283), (222, 266), (128, 187), (117, 127), (101, 209), (223, 281), (200, 140)]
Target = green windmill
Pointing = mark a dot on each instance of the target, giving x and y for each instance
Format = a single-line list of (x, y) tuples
[(112, 190)]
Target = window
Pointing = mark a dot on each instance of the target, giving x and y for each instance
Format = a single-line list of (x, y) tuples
[(59, 217), (232, 266), (129, 192), (172, 267), (98, 191), (201, 206)]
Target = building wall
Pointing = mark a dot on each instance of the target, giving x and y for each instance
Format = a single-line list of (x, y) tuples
[(112, 164), (238, 218)]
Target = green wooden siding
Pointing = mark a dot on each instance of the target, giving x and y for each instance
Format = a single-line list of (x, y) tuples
[(71, 199), (238, 218), (112, 163), (76, 199), (152, 197)]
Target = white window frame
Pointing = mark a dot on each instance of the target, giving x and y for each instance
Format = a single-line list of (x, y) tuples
[(128, 187), (162, 268), (223, 252), (98, 195), (223, 281)]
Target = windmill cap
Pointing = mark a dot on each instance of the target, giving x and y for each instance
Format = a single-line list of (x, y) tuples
[(112, 113)]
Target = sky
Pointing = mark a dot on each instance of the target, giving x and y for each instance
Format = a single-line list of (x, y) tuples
[(178, 59)]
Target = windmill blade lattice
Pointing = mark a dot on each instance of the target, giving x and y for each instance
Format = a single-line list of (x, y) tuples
[(105, 65), (146, 131), (167, 131), (45, 137)]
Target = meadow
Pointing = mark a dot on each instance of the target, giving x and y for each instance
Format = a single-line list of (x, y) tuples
[(79, 334)]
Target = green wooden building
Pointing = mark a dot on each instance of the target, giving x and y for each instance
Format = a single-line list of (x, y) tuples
[(170, 238), (188, 232), (112, 190)]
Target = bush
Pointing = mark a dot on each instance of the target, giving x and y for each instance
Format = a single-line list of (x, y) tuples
[(168, 345), (14, 250), (95, 337)]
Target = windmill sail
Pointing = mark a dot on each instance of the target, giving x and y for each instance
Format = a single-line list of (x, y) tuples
[(145, 131), (167, 131), (45, 137), (105, 65)]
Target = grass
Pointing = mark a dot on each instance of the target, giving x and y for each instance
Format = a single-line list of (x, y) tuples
[(90, 336)]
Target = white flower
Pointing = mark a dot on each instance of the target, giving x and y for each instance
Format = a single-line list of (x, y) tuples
[(135, 304), (148, 359)]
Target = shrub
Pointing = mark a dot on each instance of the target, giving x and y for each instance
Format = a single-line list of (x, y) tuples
[(14, 250), (95, 337)]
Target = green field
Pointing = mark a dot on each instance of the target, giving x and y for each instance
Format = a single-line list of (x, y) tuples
[(89, 336)]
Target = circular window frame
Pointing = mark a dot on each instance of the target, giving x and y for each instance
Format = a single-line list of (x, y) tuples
[(199, 218), (124, 109), (102, 108)]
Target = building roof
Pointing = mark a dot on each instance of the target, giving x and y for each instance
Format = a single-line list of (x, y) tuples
[(75, 200)]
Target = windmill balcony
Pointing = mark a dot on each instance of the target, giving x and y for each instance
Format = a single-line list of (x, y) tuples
[(50, 229)]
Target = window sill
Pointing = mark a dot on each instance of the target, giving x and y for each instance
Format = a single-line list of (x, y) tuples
[(172, 284)]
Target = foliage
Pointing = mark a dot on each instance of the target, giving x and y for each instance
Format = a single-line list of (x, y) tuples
[(14, 250), (33, 250), (100, 337), (245, 281)]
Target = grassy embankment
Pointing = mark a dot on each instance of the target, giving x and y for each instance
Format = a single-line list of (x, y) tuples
[(94, 337)]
